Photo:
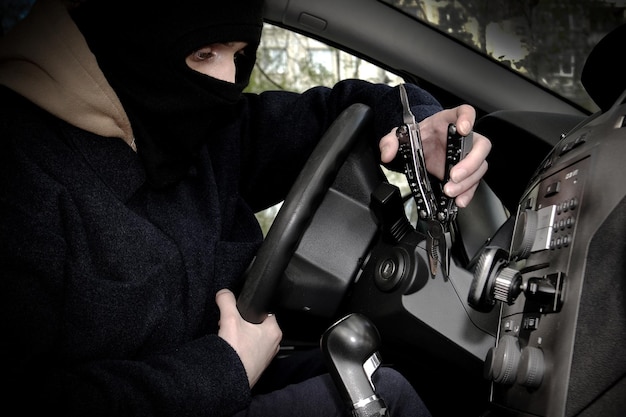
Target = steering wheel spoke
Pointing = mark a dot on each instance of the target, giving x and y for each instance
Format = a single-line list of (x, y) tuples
[(263, 277)]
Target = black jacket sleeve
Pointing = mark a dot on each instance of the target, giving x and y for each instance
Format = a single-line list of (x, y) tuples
[(281, 129)]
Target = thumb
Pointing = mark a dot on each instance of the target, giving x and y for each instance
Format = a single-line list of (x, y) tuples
[(225, 300)]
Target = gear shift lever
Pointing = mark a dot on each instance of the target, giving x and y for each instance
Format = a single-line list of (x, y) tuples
[(350, 348)]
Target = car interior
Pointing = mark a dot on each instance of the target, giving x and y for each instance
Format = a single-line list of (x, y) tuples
[(529, 318)]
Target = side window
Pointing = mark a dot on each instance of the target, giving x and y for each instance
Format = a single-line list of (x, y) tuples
[(289, 61), (273, 60), (294, 62)]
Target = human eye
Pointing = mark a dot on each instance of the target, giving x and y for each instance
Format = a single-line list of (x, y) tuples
[(202, 54), (240, 54)]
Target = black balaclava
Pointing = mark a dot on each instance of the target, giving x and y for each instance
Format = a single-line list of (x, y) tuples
[(141, 46)]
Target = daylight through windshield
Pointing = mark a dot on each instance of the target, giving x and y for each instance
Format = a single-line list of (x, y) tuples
[(544, 40)]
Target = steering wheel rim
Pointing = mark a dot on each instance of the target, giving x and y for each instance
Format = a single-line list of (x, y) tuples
[(305, 196)]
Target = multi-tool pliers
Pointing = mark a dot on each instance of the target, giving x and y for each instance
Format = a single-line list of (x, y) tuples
[(434, 207)]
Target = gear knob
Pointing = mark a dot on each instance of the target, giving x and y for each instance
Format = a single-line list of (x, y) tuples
[(350, 347)]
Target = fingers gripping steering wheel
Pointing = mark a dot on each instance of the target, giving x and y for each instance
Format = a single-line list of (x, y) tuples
[(263, 277)]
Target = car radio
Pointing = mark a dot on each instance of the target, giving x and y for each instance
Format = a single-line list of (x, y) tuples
[(561, 283)]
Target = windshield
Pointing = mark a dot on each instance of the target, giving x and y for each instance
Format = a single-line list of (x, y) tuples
[(544, 40)]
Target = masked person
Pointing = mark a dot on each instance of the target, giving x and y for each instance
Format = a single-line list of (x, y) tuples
[(131, 168)]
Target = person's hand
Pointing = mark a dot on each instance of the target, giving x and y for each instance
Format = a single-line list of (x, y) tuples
[(464, 176), (256, 344)]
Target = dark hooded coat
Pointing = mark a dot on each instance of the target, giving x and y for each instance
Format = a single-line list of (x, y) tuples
[(108, 282)]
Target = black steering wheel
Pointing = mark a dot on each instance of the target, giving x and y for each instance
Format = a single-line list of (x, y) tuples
[(263, 276)]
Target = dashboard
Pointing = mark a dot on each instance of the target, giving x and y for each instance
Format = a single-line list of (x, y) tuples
[(560, 285)]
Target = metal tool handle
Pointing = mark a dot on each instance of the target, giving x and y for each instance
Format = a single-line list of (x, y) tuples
[(415, 172), (457, 148)]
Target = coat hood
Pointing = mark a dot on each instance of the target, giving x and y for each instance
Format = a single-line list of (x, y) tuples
[(46, 59)]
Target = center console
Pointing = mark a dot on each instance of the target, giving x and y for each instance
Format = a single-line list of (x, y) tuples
[(560, 286)]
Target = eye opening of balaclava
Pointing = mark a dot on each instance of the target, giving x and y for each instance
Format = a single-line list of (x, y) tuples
[(141, 47)]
